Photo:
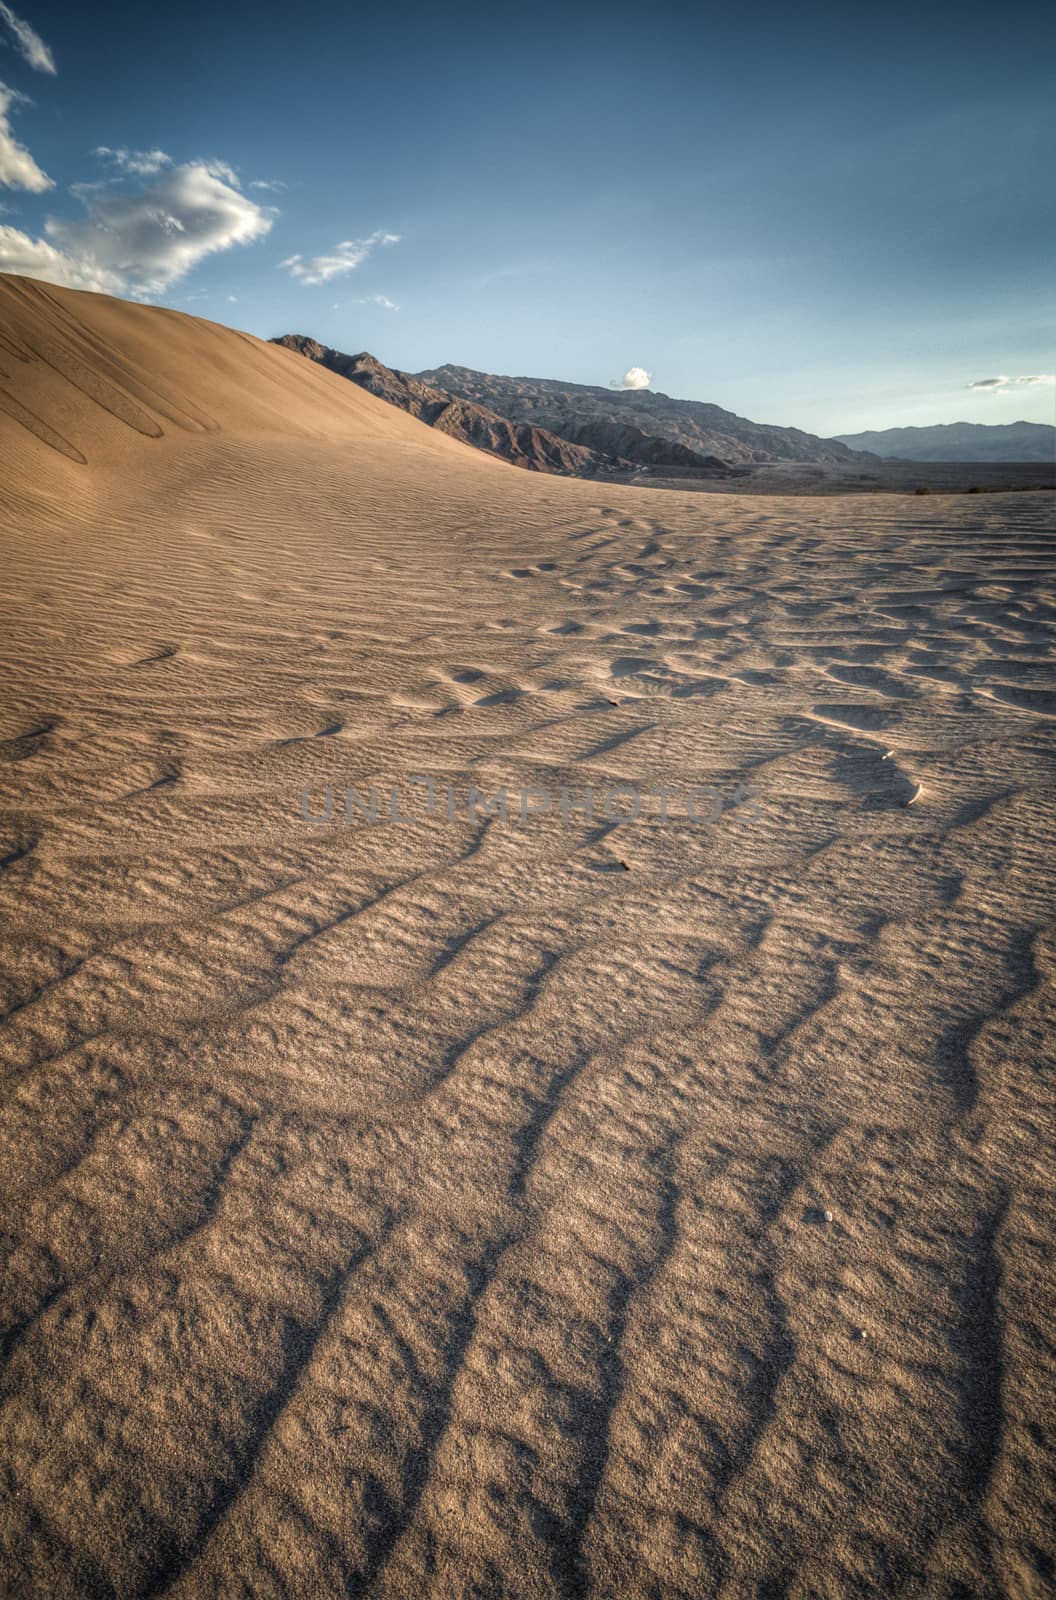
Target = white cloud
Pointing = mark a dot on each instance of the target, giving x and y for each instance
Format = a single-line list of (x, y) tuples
[(273, 185), (28, 42), (381, 300), (1003, 385), (18, 170), (35, 258), (140, 243), (142, 162), (633, 378), (345, 258)]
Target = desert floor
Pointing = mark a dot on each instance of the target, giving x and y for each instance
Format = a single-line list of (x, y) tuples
[(498, 1208), (869, 477)]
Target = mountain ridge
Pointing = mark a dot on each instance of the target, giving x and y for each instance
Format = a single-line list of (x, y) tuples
[(522, 444), (582, 430), (959, 441), (622, 419)]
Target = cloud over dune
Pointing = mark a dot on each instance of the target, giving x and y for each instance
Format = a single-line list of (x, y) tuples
[(346, 257), (140, 243), (135, 241)]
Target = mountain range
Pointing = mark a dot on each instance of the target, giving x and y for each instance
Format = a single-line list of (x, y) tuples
[(575, 429), (580, 430), (960, 441), (521, 443), (643, 425)]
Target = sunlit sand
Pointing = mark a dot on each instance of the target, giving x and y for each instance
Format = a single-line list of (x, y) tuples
[(483, 1207)]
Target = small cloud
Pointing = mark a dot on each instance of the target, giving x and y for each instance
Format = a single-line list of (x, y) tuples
[(232, 299), (28, 42), (273, 185), (633, 378), (381, 300), (18, 170), (346, 256), (142, 162), (1002, 385)]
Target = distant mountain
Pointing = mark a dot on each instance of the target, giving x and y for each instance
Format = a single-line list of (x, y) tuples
[(960, 441), (576, 429), (640, 425), (523, 444)]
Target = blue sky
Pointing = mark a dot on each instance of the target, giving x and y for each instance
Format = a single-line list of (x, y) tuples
[(834, 217)]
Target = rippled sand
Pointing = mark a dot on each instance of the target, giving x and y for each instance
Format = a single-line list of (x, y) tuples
[(485, 1208)]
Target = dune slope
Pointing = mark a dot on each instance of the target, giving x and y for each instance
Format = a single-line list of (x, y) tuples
[(487, 1207)]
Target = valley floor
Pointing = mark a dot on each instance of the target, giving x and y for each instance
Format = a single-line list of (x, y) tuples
[(868, 477)]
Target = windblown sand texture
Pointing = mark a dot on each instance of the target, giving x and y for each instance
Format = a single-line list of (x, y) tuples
[(447, 1209)]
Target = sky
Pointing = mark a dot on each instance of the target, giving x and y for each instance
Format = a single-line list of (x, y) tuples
[(832, 217)]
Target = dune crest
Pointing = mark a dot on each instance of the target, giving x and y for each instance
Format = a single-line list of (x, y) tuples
[(477, 1206)]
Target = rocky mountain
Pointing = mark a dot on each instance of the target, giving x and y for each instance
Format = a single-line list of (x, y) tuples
[(960, 441), (644, 426), (523, 444)]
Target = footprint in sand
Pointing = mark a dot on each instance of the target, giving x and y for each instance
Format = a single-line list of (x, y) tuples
[(162, 651), (165, 780), (502, 697), (16, 849), (543, 567), (885, 683), (31, 743), (867, 719), (1039, 702), (327, 732)]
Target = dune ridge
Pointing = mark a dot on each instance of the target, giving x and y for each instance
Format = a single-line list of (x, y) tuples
[(546, 1209)]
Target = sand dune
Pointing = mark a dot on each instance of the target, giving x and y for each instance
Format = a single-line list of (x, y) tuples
[(484, 1208)]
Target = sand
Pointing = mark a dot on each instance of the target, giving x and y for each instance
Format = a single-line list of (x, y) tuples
[(483, 1208)]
